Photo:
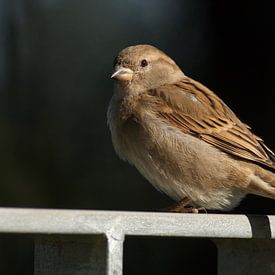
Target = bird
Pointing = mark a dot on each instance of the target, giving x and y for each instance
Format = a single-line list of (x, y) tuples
[(182, 137)]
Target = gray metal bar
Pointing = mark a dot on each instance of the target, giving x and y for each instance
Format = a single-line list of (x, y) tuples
[(115, 254), (91, 242), (38, 221)]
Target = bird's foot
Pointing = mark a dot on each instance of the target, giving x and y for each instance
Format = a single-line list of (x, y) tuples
[(200, 210), (178, 206), (188, 209), (182, 207)]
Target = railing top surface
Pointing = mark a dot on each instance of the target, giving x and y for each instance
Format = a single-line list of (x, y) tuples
[(119, 223)]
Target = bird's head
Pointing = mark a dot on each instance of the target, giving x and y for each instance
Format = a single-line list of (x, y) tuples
[(145, 67)]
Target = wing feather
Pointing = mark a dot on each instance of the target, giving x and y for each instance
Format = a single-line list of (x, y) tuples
[(194, 109)]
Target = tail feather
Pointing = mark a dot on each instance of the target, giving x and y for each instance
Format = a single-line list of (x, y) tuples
[(262, 183)]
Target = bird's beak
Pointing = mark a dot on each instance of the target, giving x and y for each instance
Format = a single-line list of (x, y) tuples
[(123, 74)]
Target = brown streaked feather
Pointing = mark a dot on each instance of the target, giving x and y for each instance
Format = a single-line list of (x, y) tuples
[(194, 109)]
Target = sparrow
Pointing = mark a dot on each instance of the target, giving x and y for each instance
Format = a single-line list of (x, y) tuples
[(182, 137)]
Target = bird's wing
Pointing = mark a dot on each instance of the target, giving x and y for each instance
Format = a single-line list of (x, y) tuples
[(194, 109)]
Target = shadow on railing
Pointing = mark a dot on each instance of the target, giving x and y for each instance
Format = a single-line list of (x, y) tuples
[(260, 226)]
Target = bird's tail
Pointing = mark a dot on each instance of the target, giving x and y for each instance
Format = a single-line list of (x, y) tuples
[(262, 183)]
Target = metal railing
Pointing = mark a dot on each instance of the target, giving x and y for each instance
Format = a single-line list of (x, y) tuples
[(91, 242)]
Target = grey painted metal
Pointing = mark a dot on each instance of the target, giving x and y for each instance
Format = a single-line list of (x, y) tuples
[(91, 242), (115, 252), (43, 221)]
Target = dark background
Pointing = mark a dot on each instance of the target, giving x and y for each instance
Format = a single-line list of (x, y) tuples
[(55, 64)]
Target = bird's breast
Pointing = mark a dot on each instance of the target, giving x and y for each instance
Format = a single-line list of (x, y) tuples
[(176, 163)]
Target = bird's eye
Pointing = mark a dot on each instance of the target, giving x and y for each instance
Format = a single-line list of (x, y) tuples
[(144, 63)]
